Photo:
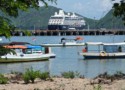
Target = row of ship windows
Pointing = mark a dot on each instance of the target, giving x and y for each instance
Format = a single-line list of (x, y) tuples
[(64, 22), (73, 19), (67, 18), (75, 23), (55, 21), (58, 20), (67, 24)]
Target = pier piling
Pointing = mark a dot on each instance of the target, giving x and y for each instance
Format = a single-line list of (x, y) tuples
[(69, 32)]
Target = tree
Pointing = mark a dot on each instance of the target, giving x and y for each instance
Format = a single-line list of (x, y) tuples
[(11, 8), (119, 9), (4, 51)]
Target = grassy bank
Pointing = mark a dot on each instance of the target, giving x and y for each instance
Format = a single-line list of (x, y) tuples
[(35, 80)]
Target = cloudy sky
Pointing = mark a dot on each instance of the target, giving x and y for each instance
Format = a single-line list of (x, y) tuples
[(88, 8)]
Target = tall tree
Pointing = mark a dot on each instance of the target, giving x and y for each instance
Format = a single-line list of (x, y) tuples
[(12, 7), (119, 9)]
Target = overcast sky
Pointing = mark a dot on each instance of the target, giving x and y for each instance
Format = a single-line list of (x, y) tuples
[(88, 8)]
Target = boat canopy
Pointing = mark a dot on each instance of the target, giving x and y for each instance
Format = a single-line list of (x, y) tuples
[(15, 46), (121, 43), (94, 43), (100, 43), (34, 47)]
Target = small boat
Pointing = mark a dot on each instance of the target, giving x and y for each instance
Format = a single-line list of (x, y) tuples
[(26, 53), (67, 42), (99, 50)]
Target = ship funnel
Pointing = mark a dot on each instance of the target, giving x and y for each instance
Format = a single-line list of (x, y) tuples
[(68, 14), (61, 12), (74, 14), (55, 13)]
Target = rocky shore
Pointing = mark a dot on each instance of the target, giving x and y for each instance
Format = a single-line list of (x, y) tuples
[(58, 83)]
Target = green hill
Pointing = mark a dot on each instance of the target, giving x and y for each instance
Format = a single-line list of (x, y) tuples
[(110, 22), (38, 19)]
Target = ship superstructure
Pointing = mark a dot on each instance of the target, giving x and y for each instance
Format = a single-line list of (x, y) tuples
[(62, 21)]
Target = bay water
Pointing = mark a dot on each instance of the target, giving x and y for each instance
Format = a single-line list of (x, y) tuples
[(67, 58)]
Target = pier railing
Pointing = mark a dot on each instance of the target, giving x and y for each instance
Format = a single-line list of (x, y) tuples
[(70, 32)]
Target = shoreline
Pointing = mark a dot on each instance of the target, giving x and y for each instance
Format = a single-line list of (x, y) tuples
[(60, 83)]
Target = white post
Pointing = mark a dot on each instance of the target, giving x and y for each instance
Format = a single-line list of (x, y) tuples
[(50, 51)]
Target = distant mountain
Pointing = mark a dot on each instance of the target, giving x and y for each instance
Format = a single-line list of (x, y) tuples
[(110, 22), (38, 19), (90, 23)]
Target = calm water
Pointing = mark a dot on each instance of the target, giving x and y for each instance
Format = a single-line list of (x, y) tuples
[(67, 58)]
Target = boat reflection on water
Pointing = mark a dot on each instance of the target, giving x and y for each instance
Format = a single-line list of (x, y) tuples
[(95, 67), (42, 66)]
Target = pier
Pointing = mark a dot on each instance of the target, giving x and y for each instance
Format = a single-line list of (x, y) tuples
[(69, 32)]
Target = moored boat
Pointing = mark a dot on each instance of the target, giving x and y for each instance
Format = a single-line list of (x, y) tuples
[(78, 41), (99, 50), (25, 52)]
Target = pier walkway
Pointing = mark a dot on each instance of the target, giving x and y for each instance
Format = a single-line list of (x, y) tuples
[(70, 32)]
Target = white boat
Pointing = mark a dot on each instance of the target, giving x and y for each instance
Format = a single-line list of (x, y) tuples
[(27, 53), (99, 50), (67, 42)]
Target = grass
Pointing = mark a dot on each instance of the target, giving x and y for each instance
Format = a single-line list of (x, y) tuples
[(30, 75), (71, 74), (3, 80), (44, 75)]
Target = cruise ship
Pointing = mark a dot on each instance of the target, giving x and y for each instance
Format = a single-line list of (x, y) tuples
[(69, 21)]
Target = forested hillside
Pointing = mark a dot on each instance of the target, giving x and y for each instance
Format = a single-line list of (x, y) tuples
[(109, 21), (38, 19)]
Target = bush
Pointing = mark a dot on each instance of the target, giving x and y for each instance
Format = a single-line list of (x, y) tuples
[(3, 80), (26, 78), (69, 74), (30, 74), (44, 75)]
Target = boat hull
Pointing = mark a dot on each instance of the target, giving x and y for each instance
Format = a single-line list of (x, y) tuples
[(57, 27), (65, 27), (63, 44), (3, 60), (23, 58), (51, 55), (103, 56)]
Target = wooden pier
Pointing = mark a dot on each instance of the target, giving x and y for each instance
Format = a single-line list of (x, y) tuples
[(70, 32)]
